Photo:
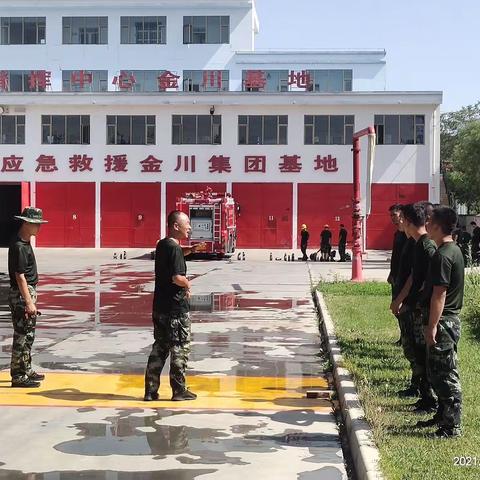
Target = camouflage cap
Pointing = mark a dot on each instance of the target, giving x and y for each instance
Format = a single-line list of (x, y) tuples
[(31, 215)]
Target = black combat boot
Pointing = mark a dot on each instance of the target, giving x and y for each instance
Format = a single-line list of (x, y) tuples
[(24, 382), (36, 377), (183, 396), (150, 396)]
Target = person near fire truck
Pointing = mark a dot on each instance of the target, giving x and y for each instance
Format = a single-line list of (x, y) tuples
[(171, 318), (304, 235)]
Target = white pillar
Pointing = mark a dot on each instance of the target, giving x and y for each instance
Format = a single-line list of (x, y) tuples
[(33, 203), (229, 187), (163, 210), (295, 216), (98, 214)]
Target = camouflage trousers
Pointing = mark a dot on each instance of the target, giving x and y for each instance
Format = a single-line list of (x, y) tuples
[(172, 334), (23, 334), (419, 317), (442, 367)]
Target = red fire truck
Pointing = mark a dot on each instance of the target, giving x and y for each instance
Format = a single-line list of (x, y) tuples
[(213, 220)]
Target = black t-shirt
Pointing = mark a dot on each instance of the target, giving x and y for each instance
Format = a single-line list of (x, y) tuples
[(405, 265), (305, 236), (169, 261), (342, 238), (326, 236), (21, 259), (476, 235), (448, 270), (399, 240), (423, 253)]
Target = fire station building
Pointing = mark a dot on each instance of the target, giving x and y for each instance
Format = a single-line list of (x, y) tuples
[(110, 109)]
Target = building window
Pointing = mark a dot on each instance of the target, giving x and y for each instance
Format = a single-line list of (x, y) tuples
[(84, 80), (206, 80), (265, 80), (85, 30), (22, 30), (20, 81), (196, 129), (262, 129), (211, 29), (66, 129), (143, 30), (330, 81), (12, 129), (130, 129), (329, 129), (400, 129)]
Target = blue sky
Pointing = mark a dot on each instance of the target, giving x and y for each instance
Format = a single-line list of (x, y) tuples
[(430, 44)]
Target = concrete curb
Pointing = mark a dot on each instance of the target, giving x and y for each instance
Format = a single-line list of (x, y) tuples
[(365, 454)]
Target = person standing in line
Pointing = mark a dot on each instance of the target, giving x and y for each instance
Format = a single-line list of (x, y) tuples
[(325, 243), (414, 219), (22, 299), (305, 236), (444, 301), (475, 243), (342, 242), (399, 241), (171, 318)]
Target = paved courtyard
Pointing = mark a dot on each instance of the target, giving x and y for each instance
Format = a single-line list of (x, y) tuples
[(255, 353)]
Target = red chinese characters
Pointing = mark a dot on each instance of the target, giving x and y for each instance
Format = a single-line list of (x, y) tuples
[(212, 79), (186, 163), (255, 164), (80, 78), (3, 81), (125, 81), (116, 163), (39, 80), (219, 164), (328, 164), (80, 163), (254, 79), (167, 80), (12, 164), (300, 79), (290, 164), (151, 165), (46, 164)]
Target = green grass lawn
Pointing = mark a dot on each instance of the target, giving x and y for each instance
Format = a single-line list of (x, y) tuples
[(366, 331)]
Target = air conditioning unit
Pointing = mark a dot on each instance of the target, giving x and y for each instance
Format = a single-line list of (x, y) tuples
[(3, 109)]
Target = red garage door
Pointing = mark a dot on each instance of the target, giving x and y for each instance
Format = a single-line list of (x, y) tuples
[(265, 219), (379, 227), (130, 214), (70, 210), (175, 190), (324, 203)]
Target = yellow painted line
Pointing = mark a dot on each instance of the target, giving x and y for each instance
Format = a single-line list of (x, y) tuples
[(126, 391)]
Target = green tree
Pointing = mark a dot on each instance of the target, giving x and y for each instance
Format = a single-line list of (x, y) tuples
[(464, 175), (452, 124)]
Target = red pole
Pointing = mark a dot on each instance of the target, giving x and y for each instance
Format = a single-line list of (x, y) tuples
[(357, 266)]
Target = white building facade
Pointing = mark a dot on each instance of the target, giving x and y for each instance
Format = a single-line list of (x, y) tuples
[(111, 110)]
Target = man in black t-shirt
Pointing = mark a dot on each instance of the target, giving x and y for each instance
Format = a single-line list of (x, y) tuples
[(325, 243), (413, 342), (475, 243), (342, 242), (22, 299), (399, 240), (445, 287), (171, 319), (305, 236)]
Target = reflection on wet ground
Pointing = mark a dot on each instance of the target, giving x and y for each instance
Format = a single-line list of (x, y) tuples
[(255, 352)]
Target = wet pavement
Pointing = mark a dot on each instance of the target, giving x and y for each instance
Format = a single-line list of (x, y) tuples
[(255, 353)]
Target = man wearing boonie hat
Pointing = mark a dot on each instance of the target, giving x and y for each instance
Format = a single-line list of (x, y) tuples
[(22, 298)]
